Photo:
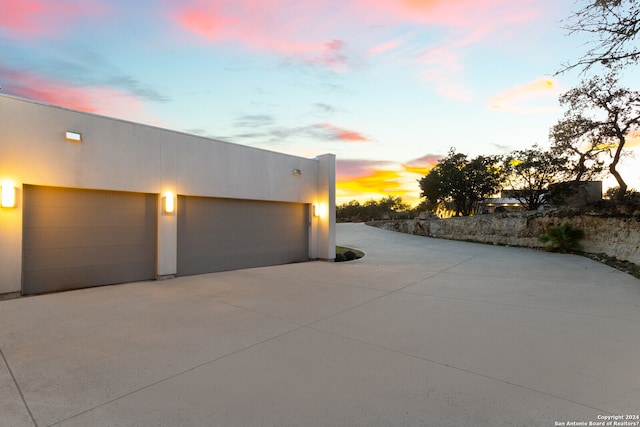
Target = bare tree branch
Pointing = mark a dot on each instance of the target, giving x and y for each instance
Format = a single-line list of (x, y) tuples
[(615, 25)]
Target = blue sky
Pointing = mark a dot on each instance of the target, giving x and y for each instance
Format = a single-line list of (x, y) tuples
[(387, 86)]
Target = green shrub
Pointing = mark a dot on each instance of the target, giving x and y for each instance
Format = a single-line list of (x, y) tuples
[(347, 254), (562, 238), (350, 255)]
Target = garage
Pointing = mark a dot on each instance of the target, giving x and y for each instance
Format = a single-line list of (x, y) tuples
[(76, 238), (88, 200), (218, 234)]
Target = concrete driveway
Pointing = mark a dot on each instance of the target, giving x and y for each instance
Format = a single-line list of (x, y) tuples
[(420, 332)]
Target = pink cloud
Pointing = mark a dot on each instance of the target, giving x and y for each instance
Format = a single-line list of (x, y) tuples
[(348, 169), (526, 98), (36, 87), (308, 28), (317, 32), (422, 165), (384, 47), (102, 100), (343, 134), (18, 15), (33, 18), (428, 160), (278, 26), (443, 67), (468, 23)]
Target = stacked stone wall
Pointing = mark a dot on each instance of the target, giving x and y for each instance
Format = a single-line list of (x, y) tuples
[(618, 237)]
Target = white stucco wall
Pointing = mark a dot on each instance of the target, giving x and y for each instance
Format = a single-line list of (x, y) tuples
[(124, 156)]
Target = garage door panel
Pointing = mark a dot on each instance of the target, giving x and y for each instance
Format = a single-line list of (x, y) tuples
[(76, 238), (78, 277), (81, 237), (58, 197), (86, 216), (227, 234), (52, 258)]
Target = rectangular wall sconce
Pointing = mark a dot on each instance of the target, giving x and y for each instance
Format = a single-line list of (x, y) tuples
[(73, 136), (169, 204), (297, 172), (319, 210), (8, 199)]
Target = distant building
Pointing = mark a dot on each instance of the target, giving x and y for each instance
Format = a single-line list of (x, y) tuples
[(507, 202), (499, 204), (565, 193), (576, 193)]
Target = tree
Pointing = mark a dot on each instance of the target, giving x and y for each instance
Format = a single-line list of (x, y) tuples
[(389, 206), (349, 211), (372, 209), (425, 206), (630, 194), (580, 141), (461, 181), (615, 24), (611, 112), (530, 172), (392, 205)]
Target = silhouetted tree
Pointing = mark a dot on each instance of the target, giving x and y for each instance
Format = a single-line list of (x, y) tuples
[(387, 207), (580, 141), (611, 113), (392, 206), (530, 172), (351, 211), (462, 181), (630, 194), (614, 26)]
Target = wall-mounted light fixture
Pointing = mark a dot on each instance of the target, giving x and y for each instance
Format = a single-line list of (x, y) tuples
[(8, 199), (318, 210), (73, 136), (169, 203), (297, 172)]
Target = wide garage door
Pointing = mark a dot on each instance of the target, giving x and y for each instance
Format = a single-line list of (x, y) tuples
[(216, 234), (76, 238)]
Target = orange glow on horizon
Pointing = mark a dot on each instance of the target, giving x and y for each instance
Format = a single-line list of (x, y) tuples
[(633, 139), (363, 180), (418, 170), (377, 185)]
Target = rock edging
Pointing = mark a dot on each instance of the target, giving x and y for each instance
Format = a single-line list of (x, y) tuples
[(617, 237)]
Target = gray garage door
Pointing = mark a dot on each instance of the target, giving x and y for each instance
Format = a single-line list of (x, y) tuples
[(81, 238), (217, 234)]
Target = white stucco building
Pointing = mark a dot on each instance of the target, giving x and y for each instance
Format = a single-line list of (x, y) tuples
[(90, 200)]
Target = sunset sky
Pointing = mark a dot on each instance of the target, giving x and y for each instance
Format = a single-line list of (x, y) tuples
[(386, 85)]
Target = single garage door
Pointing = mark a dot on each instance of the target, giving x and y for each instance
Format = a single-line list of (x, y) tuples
[(216, 234), (76, 238)]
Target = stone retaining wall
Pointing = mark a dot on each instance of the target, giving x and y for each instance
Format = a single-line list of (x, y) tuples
[(615, 236)]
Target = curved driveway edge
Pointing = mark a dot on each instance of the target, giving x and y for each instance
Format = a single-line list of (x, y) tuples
[(419, 332)]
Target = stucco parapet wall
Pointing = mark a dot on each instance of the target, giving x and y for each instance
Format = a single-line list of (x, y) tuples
[(614, 236)]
